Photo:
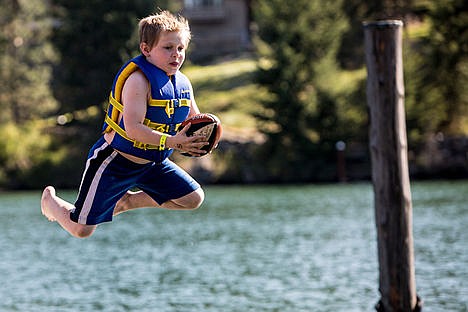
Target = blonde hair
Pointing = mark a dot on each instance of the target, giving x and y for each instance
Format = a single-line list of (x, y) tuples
[(150, 27)]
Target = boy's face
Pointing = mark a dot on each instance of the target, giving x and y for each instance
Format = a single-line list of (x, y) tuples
[(169, 53)]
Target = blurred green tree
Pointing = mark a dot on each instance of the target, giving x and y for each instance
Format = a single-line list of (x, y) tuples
[(26, 61), (351, 51), (442, 95), (297, 44), (435, 62)]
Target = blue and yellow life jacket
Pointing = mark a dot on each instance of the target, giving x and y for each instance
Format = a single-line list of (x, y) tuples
[(168, 106)]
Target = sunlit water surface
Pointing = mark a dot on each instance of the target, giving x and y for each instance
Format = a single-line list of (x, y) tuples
[(252, 248)]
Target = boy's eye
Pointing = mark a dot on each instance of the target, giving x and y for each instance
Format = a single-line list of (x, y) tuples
[(179, 49)]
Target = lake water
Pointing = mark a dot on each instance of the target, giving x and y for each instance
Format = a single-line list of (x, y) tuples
[(249, 248)]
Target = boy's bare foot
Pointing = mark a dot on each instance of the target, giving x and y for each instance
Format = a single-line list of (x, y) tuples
[(47, 196)]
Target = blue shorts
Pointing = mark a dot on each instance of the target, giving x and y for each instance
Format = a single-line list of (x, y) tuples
[(108, 176)]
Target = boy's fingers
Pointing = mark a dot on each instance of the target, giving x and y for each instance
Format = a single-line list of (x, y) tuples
[(184, 129)]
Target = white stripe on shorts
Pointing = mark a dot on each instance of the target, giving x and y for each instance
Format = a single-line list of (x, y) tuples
[(94, 184)]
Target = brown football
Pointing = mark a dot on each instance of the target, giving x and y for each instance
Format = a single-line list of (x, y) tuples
[(206, 125)]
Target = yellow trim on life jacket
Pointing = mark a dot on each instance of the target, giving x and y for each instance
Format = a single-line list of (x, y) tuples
[(113, 124), (169, 104), (153, 125), (126, 72)]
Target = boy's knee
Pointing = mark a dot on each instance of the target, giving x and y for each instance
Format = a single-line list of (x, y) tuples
[(196, 199), (83, 231)]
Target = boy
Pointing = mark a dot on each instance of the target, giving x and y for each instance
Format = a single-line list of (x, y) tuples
[(149, 99)]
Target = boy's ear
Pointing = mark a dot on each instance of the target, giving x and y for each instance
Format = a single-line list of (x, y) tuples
[(144, 48)]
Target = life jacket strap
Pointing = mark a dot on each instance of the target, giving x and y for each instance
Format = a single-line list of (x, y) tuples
[(118, 108), (170, 105)]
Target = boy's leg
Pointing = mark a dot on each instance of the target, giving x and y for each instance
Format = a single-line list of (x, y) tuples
[(57, 209), (190, 201), (134, 200)]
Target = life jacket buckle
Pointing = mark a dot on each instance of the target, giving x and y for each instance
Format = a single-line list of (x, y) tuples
[(169, 108), (140, 145)]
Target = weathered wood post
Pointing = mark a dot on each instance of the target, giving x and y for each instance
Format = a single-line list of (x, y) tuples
[(390, 176)]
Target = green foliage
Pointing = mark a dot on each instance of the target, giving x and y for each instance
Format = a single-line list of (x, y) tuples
[(228, 89), (26, 61), (25, 92), (93, 37), (435, 59), (297, 44), (436, 72), (444, 69), (351, 52), (22, 147)]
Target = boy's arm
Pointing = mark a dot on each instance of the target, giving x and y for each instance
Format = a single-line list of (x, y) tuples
[(134, 98), (193, 106)]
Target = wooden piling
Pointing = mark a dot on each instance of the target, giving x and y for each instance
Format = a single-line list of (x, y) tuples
[(390, 176)]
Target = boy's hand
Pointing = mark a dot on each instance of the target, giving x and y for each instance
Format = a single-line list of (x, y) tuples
[(188, 144)]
